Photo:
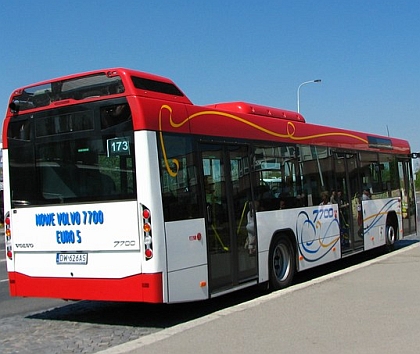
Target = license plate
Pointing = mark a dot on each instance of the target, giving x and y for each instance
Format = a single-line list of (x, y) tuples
[(71, 258)]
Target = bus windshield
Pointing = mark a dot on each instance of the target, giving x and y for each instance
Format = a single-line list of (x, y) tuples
[(77, 89), (72, 154)]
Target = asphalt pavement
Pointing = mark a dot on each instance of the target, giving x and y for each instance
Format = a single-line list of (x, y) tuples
[(372, 307)]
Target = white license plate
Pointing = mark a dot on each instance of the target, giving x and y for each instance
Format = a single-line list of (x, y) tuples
[(71, 258)]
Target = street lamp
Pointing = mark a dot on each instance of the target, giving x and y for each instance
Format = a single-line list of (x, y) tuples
[(298, 90)]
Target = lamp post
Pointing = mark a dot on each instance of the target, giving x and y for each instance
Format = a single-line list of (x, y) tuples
[(298, 90)]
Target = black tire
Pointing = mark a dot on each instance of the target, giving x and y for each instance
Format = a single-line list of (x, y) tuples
[(282, 263)]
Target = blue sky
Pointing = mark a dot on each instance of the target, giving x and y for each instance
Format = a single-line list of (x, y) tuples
[(367, 53)]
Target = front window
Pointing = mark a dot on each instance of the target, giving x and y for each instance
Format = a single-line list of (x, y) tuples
[(72, 154)]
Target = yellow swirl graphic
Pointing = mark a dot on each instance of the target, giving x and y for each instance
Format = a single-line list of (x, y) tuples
[(162, 144), (290, 131), (326, 245)]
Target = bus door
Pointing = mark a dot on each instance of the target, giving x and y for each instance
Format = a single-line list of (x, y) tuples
[(407, 197), (348, 185), (226, 179)]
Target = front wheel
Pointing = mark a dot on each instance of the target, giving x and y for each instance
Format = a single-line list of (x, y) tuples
[(282, 263)]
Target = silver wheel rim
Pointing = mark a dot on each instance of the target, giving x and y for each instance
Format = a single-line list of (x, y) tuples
[(281, 262), (390, 235)]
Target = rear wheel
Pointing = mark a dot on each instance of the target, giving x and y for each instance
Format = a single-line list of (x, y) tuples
[(390, 235), (282, 263)]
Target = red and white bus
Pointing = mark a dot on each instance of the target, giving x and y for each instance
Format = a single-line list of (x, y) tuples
[(117, 187)]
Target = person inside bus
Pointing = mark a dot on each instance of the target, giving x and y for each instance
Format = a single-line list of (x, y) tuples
[(325, 199), (282, 204), (333, 198), (209, 188), (250, 243), (340, 200), (343, 211), (366, 194)]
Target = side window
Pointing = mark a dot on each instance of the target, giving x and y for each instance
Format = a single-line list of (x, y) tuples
[(389, 175), (379, 175), (20, 129), (114, 115), (276, 177), (317, 165), (370, 173), (178, 173)]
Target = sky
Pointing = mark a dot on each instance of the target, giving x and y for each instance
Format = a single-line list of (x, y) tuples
[(366, 53)]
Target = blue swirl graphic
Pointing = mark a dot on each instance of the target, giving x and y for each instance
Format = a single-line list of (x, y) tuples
[(311, 236), (390, 205)]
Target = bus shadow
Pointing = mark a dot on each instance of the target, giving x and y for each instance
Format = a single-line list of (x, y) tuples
[(144, 315), (405, 243), (161, 316)]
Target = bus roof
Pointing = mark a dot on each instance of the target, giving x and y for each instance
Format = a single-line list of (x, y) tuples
[(93, 85), (231, 119)]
